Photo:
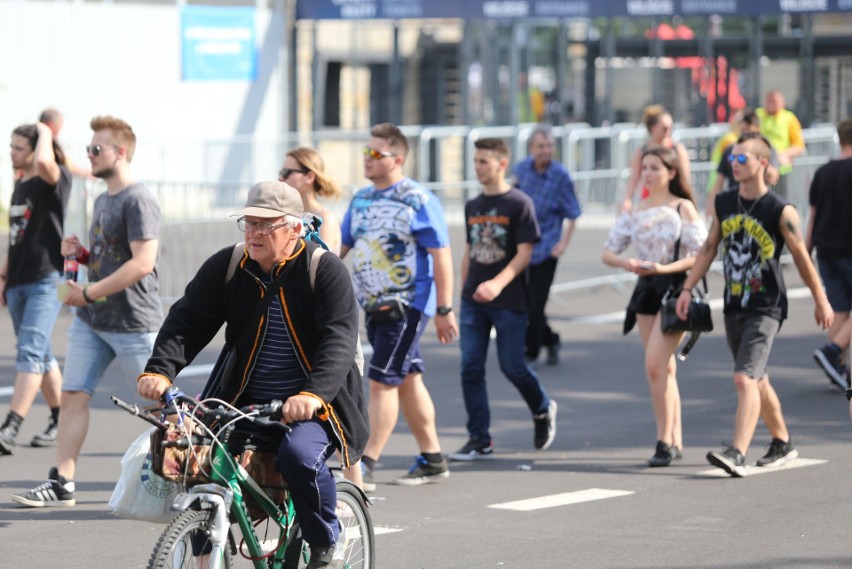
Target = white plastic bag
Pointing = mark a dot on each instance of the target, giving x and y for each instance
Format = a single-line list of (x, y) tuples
[(140, 494)]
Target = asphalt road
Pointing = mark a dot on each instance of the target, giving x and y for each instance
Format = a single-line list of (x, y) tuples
[(587, 502)]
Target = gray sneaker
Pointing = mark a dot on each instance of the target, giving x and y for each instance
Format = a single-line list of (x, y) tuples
[(778, 452), (7, 439), (730, 460), (424, 472), (48, 437)]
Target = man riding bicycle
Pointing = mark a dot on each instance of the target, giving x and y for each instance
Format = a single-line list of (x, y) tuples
[(287, 338)]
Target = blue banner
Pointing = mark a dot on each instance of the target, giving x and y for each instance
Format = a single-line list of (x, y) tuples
[(514, 9), (218, 43)]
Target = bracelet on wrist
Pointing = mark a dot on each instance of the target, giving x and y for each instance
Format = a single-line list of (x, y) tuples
[(86, 295)]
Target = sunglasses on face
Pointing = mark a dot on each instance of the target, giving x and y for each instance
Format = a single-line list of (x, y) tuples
[(377, 154), (98, 148), (285, 173), (741, 158)]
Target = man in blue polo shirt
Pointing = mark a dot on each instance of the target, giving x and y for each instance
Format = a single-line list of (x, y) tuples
[(547, 182)]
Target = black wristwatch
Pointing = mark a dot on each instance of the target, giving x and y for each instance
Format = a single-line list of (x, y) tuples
[(444, 310), (849, 394)]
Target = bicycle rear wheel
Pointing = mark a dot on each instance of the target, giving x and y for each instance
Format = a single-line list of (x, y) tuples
[(357, 537), (174, 549)]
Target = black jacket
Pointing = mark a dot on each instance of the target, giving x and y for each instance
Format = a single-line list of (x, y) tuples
[(322, 323)]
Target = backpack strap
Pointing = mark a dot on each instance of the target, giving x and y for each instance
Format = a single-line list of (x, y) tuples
[(236, 256), (312, 269)]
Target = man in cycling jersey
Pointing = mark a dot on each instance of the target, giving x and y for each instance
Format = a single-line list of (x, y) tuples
[(290, 339)]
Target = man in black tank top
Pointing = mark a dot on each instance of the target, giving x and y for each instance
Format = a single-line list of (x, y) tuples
[(754, 225)]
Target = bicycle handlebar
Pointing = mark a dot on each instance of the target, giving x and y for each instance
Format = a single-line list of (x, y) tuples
[(268, 413)]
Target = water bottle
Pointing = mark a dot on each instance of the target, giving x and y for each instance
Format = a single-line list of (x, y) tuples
[(71, 267)]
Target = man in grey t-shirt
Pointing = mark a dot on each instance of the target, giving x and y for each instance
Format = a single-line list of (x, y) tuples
[(119, 310)]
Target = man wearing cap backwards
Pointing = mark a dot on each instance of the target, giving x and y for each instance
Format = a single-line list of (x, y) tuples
[(299, 349)]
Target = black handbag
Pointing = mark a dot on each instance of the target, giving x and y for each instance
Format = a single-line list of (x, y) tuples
[(697, 320)]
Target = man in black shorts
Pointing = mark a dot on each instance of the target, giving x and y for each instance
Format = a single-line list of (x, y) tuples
[(830, 232), (754, 224)]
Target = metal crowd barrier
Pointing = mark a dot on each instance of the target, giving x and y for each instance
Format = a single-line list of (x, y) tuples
[(196, 222)]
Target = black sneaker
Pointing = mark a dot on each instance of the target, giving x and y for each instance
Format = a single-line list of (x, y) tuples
[(57, 491), (368, 482), (730, 460), (324, 558), (7, 438), (545, 427), (48, 437), (424, 472), (828, 358), (778, 452), (553, 353), (474, 449), (663, 455)]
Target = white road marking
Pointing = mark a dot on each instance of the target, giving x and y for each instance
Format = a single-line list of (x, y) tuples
[(6, 391), (752, 470), (379, 530), (564, 499)]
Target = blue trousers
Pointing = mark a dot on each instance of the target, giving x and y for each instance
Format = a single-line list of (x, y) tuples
[(302, 456), (511, 325)]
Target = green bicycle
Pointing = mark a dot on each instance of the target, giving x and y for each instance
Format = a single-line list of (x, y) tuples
[(225, 518)]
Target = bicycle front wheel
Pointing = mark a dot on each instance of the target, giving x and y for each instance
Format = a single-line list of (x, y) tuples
[(184, 543)]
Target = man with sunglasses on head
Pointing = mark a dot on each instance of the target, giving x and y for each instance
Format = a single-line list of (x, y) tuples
[(403, 275), (754, 224), (118, 311), (294, 340)]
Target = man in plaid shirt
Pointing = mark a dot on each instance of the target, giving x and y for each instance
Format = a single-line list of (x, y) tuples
[(549, 185)]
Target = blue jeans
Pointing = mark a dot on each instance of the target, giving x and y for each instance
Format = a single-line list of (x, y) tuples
[(90, 351), (34, 308), (511, 326)]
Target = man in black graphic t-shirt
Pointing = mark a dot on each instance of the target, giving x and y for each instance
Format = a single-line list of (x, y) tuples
[(501, 230), (29, 274), (754, 224)]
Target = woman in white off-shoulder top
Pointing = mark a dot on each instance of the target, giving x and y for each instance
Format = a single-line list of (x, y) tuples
[(653, 228)]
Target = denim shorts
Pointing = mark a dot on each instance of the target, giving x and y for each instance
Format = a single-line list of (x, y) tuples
[(836, 275), (750, 338), (91, 351), (34, 308), (396, 348)]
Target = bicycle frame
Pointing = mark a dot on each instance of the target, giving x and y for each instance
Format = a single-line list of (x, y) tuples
[(225, 496)]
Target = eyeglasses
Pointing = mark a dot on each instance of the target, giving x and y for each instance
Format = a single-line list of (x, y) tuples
[(259, 227), (741, 158), (285, 173), (377, 154), (97, 148)]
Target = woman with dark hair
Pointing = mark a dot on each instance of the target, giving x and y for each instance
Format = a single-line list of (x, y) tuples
[(659, 124), (30, 273), (666, 232), (304, 170)]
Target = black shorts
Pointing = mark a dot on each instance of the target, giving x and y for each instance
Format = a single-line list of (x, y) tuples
[(648, 296)]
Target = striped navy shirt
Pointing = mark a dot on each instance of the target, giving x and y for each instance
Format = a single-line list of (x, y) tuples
[(277, 373)]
